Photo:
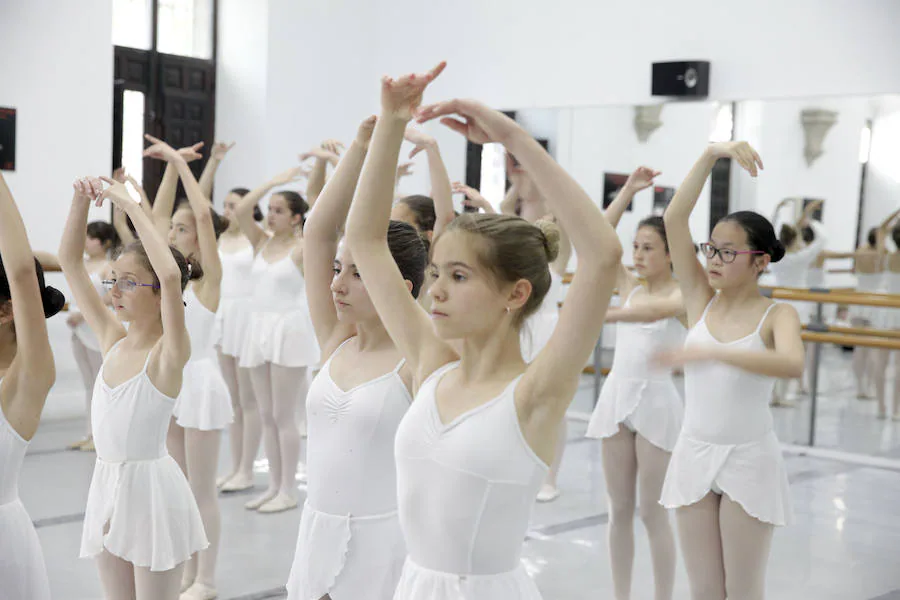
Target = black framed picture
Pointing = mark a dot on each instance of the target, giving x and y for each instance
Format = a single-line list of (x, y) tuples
[(661, 198), (612, 183), (817, 214), (7, 139)]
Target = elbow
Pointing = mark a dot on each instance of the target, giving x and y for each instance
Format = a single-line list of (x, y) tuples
[(795, 368), (611, 256)]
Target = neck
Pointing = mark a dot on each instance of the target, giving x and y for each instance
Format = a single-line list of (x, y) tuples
[(145, 333), (8, 347), (658, 282), (372, 335), (284, 236), (739, 296), (492, 355)]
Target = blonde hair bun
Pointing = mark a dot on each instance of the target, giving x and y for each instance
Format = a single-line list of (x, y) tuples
[(551, 238)]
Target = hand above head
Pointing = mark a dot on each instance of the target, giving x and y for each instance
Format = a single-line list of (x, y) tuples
[(422, 140), (293, 174), (163, 151), (320, 154), (87, 189), (220, 149), (333, 146), (119, 175), (742, 152), (364, 133), (641, 179), (480, 124), (404, 170), (473, 197), (116, 192), (402, 97)]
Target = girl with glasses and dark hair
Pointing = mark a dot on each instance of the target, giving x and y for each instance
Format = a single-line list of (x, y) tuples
[(727, 479), (141, 521), (27, 373)]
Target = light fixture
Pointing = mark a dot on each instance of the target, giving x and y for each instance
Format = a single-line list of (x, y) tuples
[(865, 143)]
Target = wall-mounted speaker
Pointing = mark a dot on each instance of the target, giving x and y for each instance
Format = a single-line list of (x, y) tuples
[(683, 78)]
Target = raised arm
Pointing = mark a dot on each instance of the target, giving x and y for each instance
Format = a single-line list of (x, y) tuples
[(406, 322), (321, 234), (690, 273), (175, 347), (649, 311), (34, 374), (219, 150), (441, 191), (165, 195), (71, 257), (244, 210), (641, 179), (328, 153), (472, 198), (552, 379), (779, 207)]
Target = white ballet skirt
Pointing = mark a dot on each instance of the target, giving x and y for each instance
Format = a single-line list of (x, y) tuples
[(350, 544), (279, 329), (233, 316), (874, 317), (137, 488), (204, 402), (538, 327), (466, 492), (637, 394), (83, 332), (891, 319), (23, 574), (727, 444), (793, 270)]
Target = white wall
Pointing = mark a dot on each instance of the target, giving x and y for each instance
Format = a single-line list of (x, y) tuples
[(883, 172)]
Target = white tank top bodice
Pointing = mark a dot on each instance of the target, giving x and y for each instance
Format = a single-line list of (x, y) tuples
[(277, 286), (465, 489), (724, 404), (201, 326), (130, 420), (870, 282), (636, 344), (12, 455), (350, 457), (236, 273)]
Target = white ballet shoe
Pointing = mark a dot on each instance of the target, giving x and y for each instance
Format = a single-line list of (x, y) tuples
[(224, 479), (279, 503), (548, 493), (237, 484), (260, 500), (198, 591), (301, 473), (88, 446), (186, 582)]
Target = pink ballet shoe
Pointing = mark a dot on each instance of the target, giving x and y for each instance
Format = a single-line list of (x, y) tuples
[(279, 503), (260, 500), (548, 493), (198, 591)]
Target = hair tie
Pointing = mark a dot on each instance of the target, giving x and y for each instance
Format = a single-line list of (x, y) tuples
[(190, 268)]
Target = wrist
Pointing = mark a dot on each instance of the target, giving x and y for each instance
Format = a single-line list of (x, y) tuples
[(392, 118)]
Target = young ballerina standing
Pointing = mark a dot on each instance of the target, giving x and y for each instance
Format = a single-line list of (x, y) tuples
[(475, 446), (639, 412), (203, 408), (350, 544), (727, 477), (280, 346), (141, 521), (27, 373)]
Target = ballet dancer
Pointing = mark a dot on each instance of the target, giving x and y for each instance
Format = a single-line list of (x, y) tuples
[(892, 321), (27, 372), (280, 345), (350, 544), (639, 412), (475, 446), (727, 478), (141, 522), (102, 242), (203, 408)]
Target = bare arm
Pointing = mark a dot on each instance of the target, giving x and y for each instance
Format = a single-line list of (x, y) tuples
[(35, 371), (321, 236), (441, 191), (165, 195), (654, 309), (219, 150), (244, 210), (328, 153)]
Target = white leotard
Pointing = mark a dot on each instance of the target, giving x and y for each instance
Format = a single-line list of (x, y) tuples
[(891, 318), (350, 543), (233, 315), (793, 270), (204, 402), (871, 316), (465, 491), (642, 397), (23, 575), (280, 330), (137, 488), (727, 443)]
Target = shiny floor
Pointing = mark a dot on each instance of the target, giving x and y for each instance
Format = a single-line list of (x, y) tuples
[(844, 544)]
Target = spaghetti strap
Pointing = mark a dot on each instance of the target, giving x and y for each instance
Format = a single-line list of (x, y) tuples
[(149, 354), (763, 319), (636, 287), (706, 310)]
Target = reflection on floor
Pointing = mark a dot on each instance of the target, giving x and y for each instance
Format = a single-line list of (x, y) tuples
[(843, 545)]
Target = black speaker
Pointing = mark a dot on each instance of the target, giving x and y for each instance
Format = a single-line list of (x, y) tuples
[(683, 78), (7, 139)]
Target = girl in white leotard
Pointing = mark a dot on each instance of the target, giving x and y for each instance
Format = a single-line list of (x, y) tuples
[(639, 411), (26, 376), (727, 478), (203, 408), (141, 521), (102, 240), (280, 347), (350, 544), (475, 446)]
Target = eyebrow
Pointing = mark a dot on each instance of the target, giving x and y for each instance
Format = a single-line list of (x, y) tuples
[(724, 244), (450, 265), (338, 263)]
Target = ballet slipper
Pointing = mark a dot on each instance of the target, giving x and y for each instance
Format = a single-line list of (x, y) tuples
[(301, 473), (224, 479), (186, 581), (279, 503), (198, 591), (548, 493), (77, 445), (237, 484), (260, 500), (88, 446)]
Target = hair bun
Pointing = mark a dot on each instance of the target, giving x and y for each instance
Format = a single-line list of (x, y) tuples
[(777, 252), (551, 236), (53, 301), (194, 270)]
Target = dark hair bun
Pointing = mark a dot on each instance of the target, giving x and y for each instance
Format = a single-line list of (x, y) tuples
[(194, 269), (53, 300), (777, 252)]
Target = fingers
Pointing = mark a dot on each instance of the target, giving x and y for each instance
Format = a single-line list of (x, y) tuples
[(439, 109), (456, 125), (152, 139), (437, 70), (415, 151)]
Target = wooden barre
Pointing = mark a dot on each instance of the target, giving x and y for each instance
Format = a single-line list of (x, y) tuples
[(865, 341), (866, 331), (841, 297)]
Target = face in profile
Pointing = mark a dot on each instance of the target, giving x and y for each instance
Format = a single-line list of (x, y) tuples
[(230, 206), (134, 297), (737, 267), (351, 299)]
